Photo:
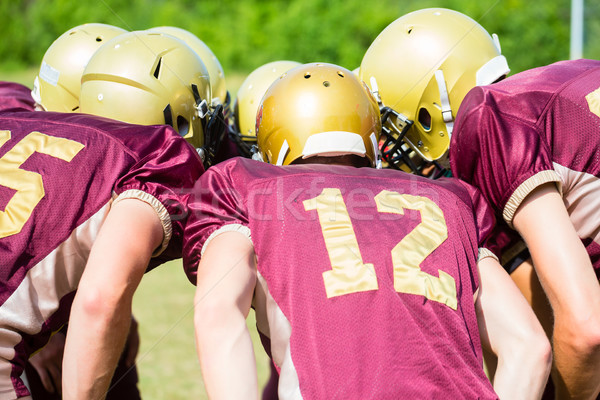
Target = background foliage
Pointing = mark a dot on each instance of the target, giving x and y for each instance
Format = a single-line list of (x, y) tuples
[(245, 34)]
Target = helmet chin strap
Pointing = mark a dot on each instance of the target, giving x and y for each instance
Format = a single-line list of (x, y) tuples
[(202, 109), (376, 153), (445, 100)]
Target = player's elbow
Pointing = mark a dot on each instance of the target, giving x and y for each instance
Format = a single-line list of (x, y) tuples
[(530, 349), (217, 317), (91, 302), (206, 313), (537, 348), (541, 351), (211, 317), (583, 335), (96, 304)]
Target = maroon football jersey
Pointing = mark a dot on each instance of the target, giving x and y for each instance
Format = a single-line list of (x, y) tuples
[(59, 175), (14, 96), (366, 278), (538, 126)]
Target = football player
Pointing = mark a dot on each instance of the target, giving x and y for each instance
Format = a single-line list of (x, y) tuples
[(248, 98), (56, 88), (366, 283), (529, 143), (91, 204), (129, 77), (147, 78), (76, 191)]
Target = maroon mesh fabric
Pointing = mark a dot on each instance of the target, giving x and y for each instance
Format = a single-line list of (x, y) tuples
[(382, 343)]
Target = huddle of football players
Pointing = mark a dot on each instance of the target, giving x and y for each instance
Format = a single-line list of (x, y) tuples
[(367, 281)]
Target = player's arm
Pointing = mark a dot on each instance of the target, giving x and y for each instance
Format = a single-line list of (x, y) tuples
[(101, 313), (508, 328), (225, 287), (567, 276)]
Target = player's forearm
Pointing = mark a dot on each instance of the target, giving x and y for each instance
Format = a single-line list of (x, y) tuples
[(226, 356), (101, 311), (225, 287), (509, 328), (95, 341)]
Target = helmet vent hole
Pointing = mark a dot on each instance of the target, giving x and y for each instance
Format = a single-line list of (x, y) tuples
[(307, 75), (326, 83), (183, 125), (410, 29), (168, 115), (99, 39), (157, 69), (196, 94), (425, 119), (340, 74)]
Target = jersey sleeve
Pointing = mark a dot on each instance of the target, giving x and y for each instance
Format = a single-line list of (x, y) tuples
[(15, 97), (484, 221), (163, 178), (215, 206), (504, 157), (509, 246)]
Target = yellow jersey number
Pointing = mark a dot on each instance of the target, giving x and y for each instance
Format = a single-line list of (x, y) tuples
[(29, 186), (349, 274)]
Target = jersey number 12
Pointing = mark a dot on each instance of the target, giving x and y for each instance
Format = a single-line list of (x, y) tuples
[(349, 274)]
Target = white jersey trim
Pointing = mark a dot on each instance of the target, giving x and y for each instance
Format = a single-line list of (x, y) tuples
[(525, 188), (484, 253), (580, 195), (244, 230), (334, 142), (272, 322)]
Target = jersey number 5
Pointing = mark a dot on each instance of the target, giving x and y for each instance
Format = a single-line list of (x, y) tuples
[(349, 274), (28, 185)]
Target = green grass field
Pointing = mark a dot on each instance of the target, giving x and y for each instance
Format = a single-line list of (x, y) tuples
[(23, 76), (167, 363)]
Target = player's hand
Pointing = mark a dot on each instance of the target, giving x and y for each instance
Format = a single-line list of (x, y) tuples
[(132, 345), (48, 363)]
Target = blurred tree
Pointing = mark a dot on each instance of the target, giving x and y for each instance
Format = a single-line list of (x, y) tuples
[(247, 33)]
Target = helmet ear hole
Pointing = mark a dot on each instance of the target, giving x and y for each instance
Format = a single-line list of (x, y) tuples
[(183, 125), (424, 119)]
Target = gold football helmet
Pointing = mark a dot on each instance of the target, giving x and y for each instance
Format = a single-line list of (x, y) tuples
[(215, 71), (317, 109), (420, 68), (57, 85), (248, 99), (152, 78)]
